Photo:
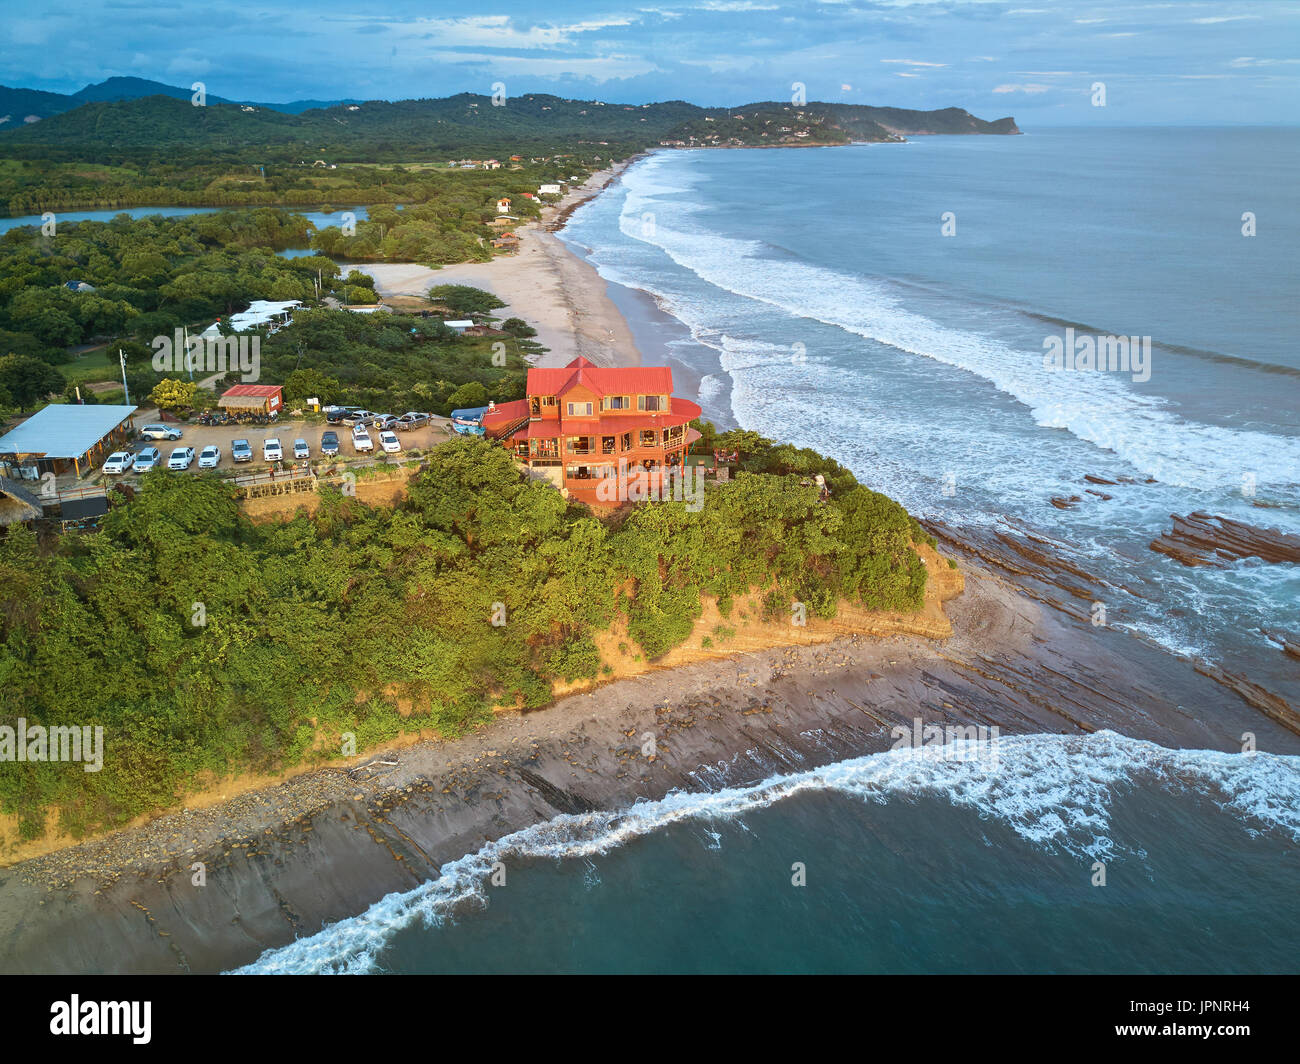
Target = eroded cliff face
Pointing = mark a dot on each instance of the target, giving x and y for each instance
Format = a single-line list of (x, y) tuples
[(744, 631)]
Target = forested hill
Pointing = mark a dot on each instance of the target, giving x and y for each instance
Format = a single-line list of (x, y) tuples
[(458, 125), (20, 106)]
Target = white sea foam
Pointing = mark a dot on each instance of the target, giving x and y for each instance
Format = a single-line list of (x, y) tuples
[(1055, 791), (1099, 408)]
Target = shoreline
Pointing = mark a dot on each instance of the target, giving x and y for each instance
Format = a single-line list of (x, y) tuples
[(560, 294), (283, 862)]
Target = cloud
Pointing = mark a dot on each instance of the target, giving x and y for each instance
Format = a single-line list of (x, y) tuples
[(1213, 19), (914, 62), (1251, 61), (488, 31), (1029, 88)]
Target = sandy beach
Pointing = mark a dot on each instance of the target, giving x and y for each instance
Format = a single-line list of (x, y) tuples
[(1013, 649), (556, 292)]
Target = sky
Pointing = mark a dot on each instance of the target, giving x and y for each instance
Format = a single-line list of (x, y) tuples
[(1177, 62)]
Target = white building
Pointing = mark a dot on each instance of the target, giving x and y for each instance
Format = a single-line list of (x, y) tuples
[(259, 312)]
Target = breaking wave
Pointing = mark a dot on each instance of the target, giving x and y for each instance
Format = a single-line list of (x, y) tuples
[(1054, 791)]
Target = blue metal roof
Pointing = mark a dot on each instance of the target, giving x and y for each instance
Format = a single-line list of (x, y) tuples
[(64, 430)]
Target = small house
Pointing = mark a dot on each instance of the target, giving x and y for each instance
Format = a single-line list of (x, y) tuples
[(253, 398)]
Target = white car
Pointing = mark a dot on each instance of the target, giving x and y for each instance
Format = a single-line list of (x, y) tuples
[(271, 450), (361, 440), (389, 442), (119, 462), (181, 458), (300, 450), (147, 459), (210, 457)]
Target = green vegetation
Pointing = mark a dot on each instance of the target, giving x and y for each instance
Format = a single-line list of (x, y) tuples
[(127, 153), (155, 275), (319, 626), (390, 363)]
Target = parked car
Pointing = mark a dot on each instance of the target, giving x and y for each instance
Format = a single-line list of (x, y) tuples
[(389, 442), (160, 432), (335, 414), (271, 450), (210, 457), (359, 417), (240, 451), (147, 459), (181, 458), (300, 450), (383, 421), (329, 444), (119, 462), (361, 440), (412, 419)]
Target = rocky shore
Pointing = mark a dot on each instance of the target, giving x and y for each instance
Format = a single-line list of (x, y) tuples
[(281, 863)]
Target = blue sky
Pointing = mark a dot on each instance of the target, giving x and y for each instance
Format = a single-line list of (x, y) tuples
[(1172, 62)]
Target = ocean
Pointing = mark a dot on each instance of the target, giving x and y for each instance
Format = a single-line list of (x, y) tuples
[(891, 306), (1059, 854)]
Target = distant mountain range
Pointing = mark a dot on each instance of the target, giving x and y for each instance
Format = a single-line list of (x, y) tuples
[(133, 116), (19, 107)]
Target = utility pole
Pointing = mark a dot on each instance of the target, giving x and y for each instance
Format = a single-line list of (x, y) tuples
[(126, 393)]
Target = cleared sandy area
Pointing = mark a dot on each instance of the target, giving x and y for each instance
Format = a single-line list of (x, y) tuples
[(556, 292)]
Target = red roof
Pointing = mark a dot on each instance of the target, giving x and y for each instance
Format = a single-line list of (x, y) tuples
[(504, 413), (263, 391), (601, 380)]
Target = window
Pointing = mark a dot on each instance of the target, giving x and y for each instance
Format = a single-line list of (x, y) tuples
[(651, 402), (648, 437), (627, 441), (579, 410), (617, 402)]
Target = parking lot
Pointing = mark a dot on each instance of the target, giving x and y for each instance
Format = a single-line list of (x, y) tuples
[(200, 436)]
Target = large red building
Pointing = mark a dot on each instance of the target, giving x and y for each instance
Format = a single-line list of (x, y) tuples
[(584, 423)]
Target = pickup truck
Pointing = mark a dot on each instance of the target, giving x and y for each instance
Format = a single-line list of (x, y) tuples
[(361, 440), (118, 462), (413, 419)]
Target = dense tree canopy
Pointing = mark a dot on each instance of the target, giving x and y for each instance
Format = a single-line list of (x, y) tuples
[(202, 643)]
